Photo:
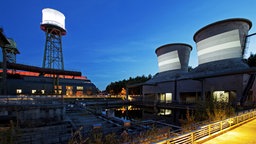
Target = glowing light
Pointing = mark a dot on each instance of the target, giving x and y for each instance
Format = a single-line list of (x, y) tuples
[(221, 96)]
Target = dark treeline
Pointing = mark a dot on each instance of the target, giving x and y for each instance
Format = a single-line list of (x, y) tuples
[(118, 87), (251, 61), (115, 88)]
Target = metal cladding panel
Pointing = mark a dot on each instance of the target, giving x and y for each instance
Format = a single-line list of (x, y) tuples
[(53, 17), (226, 45), (169, 61), (222, 41), (173, 57)]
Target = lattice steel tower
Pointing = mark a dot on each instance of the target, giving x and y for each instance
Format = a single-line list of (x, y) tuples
[(53, 24), (10, 51)]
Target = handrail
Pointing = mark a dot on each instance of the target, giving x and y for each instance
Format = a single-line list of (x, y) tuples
[(210, 130), (30, 100), (248, 87)]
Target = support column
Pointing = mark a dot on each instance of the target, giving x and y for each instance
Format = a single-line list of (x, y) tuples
[(4, 88), (202, 90), (127, 93), (175, 90)]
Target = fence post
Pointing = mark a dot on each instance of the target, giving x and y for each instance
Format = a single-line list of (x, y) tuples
[(220, 125), (192, 137), (209, 129)]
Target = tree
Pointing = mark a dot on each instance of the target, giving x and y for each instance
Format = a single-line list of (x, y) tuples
[(115, 88), (210, 110), (190, 68), (251, 61), (123, 91)]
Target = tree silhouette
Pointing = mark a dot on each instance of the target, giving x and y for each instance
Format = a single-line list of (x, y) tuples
[(115, 88), (251, 61)]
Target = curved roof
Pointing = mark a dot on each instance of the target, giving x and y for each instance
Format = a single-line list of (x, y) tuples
[(3, 39), (41, 70), (184, 44), (222, 21)]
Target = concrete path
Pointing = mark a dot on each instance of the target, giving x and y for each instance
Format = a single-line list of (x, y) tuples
[(245, 134)]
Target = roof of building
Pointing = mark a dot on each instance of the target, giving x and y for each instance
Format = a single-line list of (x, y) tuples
[(216, 69), (223, 21), (3, 39), (228, 64), (12, 46), (41, 70), (172, 44)]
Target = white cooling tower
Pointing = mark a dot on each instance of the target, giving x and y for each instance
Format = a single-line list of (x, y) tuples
[(222, 40), (173, 57)]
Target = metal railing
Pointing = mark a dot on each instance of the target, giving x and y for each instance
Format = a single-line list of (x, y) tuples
[(30, 100), (210, 130)]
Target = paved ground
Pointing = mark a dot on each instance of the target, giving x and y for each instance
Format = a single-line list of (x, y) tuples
[(245, 134)]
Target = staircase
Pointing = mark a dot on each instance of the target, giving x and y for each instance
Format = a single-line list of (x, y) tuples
[(247, 88)]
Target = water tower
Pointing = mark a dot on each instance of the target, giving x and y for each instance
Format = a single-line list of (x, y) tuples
[(53, 24)]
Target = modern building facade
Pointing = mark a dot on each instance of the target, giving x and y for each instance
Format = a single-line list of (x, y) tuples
[(221, 73), (35, 83)]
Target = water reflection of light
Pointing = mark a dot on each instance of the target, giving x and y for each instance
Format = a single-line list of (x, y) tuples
[(130, 98), (124, 108), (165, 112)]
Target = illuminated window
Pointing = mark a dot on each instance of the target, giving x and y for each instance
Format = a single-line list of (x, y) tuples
[(221, 96), (43, 91), (18, 91), (162, 97), (166, 97), (69, 87), (79, 87), (79, 93), (57, 92), (165, 112), (69, 90), (33, 91), (57, 87)]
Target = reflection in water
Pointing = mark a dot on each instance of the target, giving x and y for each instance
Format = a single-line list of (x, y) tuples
[(129, 112), (170, 116), (137, 113), (165, 112)]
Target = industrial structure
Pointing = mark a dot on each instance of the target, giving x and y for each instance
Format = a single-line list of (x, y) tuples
[(53, 24), (32, 97), (51, 78), (221, 73)]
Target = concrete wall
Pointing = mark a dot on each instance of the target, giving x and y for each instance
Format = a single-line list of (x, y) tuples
[(233, 83), (33, 115)]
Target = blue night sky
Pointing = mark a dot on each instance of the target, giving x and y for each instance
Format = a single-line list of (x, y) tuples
[(112, 40)]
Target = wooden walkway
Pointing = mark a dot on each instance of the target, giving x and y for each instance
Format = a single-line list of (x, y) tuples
[(244, 134)]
